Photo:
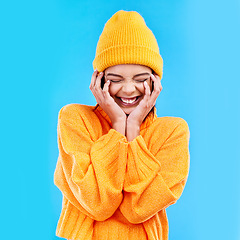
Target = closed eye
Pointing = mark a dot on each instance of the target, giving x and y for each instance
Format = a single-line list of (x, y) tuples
[(115, 81), (142, 80)]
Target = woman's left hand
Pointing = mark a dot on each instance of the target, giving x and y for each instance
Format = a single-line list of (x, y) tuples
[(137, 116)]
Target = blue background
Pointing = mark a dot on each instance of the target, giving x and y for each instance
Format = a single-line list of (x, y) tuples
[(46, 54)]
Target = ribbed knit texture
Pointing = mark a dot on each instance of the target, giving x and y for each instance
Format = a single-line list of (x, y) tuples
[(114, 189), (127, 40)]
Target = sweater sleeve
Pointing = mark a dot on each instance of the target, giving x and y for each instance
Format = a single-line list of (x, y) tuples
[(155, 181), (89, 173)]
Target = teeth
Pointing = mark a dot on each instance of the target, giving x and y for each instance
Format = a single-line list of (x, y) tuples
[(128, 101)]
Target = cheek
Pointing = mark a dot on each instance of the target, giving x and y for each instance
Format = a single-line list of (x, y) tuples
[(113, 89), (141, 87)]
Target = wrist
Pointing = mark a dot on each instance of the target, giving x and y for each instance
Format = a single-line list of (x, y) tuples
[(133, 123), (132, 131), (120, 126)]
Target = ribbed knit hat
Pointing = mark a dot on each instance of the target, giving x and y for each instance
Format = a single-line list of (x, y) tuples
[(127, 40)]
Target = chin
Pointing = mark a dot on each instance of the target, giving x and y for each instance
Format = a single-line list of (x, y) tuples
[(128, 111)]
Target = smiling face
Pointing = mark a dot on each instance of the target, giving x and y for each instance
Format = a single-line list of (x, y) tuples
[(127, 88)]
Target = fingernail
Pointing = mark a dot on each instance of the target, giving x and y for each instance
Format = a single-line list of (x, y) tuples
[(95, 70)]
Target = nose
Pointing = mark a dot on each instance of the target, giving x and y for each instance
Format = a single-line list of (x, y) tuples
[(128, 87)]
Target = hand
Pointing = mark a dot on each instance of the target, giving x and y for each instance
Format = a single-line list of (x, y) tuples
[(137, 116), (107, 103)]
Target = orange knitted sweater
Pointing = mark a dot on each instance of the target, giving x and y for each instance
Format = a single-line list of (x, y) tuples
[(114, 189)]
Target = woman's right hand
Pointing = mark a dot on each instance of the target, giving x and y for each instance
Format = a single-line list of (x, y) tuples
[(107, 103)]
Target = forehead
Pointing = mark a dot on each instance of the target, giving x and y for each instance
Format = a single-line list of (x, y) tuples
[(128, 69)]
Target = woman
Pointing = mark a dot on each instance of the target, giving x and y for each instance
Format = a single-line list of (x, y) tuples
[(119, 165)]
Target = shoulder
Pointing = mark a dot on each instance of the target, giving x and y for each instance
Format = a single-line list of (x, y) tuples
[(164, 127), (171, 123), (80, 118), (75, 110)]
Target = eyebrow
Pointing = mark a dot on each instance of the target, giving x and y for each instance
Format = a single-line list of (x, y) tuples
[(117, 75)]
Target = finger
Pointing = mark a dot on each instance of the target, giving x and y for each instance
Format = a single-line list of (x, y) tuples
[(98, 80), (157, 85), (97, 90), (106, 89), (97, 87), (157, 89), (158, 81), (161, 87), (147, 93), (93, 79), (147, 89)]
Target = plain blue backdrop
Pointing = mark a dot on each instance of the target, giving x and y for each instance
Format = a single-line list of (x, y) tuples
[(46, 54)]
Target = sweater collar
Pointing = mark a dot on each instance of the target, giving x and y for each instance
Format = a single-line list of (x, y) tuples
[(148, 120)]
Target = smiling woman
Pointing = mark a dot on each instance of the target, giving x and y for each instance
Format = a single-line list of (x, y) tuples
[(127, 86), (119, 165)]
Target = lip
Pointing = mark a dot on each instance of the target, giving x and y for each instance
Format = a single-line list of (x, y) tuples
[(128, 104)]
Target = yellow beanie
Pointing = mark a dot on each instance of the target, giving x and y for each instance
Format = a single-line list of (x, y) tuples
[(127, 40)]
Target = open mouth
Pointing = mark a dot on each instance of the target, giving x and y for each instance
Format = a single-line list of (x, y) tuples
[(129, 101)]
